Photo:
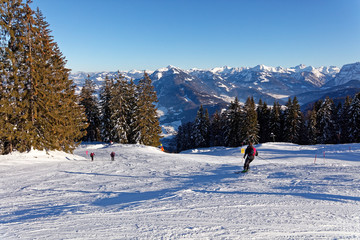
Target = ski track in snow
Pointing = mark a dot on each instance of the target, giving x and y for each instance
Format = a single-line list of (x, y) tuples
[(148, 194)]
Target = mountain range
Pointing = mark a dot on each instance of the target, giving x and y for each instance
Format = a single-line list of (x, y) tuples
[(181, 92)]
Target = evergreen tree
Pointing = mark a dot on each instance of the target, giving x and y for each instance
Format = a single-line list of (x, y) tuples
[(184, 139), (263, 113), (344, 121), (312, 127), (354, 121), (232, 126), (119, 111), (38, 101), (106, 113), (275, 122), (216, 130), (89, 101), (250, 126), (292, 121), (12, 113), (132, 108), (148, 121), (326, 123), (201, 129), (337, 124)]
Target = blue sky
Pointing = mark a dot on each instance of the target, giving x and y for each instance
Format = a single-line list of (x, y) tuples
[(111, 35)]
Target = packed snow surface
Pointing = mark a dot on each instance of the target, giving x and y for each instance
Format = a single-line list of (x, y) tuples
[(291, 192)]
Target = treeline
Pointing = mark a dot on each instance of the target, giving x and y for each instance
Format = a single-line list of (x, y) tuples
[(326, 123), (124, 112)]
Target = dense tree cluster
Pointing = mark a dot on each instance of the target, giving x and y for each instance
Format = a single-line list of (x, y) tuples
[(38, 105), (125, 112), (231, 128), (324, 124)]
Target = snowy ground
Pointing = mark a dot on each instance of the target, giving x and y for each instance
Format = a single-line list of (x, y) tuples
[(148, 194)]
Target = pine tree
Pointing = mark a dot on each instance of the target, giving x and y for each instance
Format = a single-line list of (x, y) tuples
[(216, 130), (326, 123), (132, 108), (63, 118), (184, 137), (354, 121), (263, 113), (250, 126), (201, 129), (312, 127), (119, 111), (106, 113), (90, 103), (292, 121), (275, 122), (232, 126), (344, 121), (148, 121), (12, 111), (38, 103)]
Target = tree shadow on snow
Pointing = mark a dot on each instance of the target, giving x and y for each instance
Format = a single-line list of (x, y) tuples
[(126, 199), (313, 196)]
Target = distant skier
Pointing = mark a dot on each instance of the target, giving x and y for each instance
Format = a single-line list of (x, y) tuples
[(251, 153), (112, 155), (92, 156)]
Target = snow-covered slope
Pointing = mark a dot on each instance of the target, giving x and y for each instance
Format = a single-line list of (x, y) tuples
[(291, 192)]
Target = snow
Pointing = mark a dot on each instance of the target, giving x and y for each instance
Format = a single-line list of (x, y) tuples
[(149, 194), (278, 96)]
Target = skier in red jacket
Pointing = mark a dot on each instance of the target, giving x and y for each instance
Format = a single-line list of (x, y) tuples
[(251, 153)]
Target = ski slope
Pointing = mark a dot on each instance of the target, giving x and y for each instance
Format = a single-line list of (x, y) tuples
[(148, 194)]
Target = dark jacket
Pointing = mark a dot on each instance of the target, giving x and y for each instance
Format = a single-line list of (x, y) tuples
[(248, 152)]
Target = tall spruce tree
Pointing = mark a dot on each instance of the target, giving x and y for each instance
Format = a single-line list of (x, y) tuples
[(312, 127), (148, 121), (292, 121), (232, 126), (131, 108), (119, 110), (250, 126), (275, 122), (263, 113), (325, 124), (12, 110), (344, 121), (354, 120), (201, 128), (216, 130), (90, 103), (105, 108), (184, 138)]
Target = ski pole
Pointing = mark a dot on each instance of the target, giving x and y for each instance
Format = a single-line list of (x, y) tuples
[(267, 160)]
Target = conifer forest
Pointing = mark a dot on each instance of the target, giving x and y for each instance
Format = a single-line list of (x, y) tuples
[(326, 123)]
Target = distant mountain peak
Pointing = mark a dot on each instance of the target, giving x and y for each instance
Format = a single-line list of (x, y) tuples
[(348, 73)]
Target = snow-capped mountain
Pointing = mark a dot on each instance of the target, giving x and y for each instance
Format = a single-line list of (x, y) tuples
[(181, 92), (348, 73)]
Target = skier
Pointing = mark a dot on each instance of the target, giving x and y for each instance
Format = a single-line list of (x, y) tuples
[(92, 156), (112, 154), (251, 153)]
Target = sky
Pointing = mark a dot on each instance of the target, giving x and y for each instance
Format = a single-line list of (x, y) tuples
[(112, 35)]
